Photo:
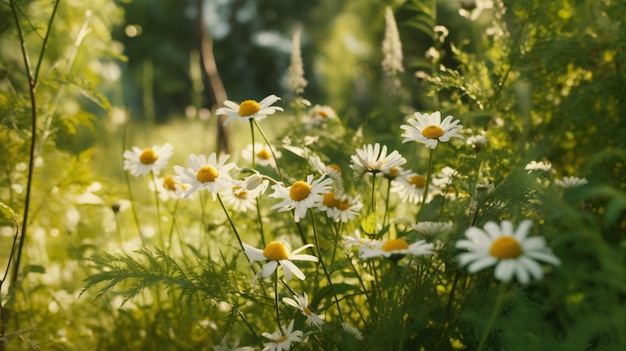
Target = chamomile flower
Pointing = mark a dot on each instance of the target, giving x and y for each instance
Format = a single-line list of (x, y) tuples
[(249, 109), (570, 182), (478, 141), (358, 241), (301, 195), (392, 247), (511, 251), (243, 193), (205, 173), (141, 162), (301, 302), (331, 170), (279, 252), (262, 154), (538, 166), (430, 129), (224, 346), (341, 207), (282, 342), (319, 114), (168, 188), (410, 187), (372, 159), (432, 228)]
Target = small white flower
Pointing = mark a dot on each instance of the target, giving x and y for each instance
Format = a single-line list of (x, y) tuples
[(168, 188), (279, 252), (538, 166), (396, 247), (243, 193), (472, 9), (358, 241), (341, 207), (372, 159), (478, 141), (320, 114), (410, 187), (205, 173), (282, 342), (430, 129), (224, 346), (570, 182), (301, 195), (332, 170), (262, 155), (141, 162), (511, 251), (432, 228), (301, 302), (249, 109)]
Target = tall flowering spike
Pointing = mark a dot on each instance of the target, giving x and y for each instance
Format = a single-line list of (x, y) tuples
[(295, 79), (392, 47)]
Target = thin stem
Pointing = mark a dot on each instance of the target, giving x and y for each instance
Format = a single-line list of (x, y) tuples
[(130, 192), (280, 174), (158, 208), (260, 221), (496, 310), (44, 45), (373, 204), (387, 203), (280, 328), (252, 138), (428, 176), (230, 220), (321, 259)]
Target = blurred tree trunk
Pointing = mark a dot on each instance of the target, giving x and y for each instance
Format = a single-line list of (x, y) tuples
[(213, 82)]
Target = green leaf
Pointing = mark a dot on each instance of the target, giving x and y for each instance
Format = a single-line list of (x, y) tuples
[(35, 268)]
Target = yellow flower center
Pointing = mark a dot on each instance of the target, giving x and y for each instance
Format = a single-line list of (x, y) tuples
[(299, 191), (329, 200), (335, 167), (240, 192), (505, 247), (343, 205), (148, 157), (395, 244), (418, 181), (307, 311), (393, 173), (169, 183), (264, 154), (279, 340), (206, 174), (323, 114), (432, 132), (248, 108), (276, 251)]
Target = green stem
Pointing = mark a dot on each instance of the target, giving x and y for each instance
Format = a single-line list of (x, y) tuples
[(428, 176), (158, 207), (280, 328), (321, 259), (386, 216), (130, 192), (44, 45), (280, 174), (252, 138), (373, 205), (494, 316), (230, 220)]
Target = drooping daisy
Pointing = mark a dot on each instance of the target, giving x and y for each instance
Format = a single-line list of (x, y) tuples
[(410, 187), (224, 346), (394, 247), (243, 193), (279, 252), (282, 342), (432, 228), (262, 155), (511, 251), (319, 114), (141, 162), (205, 173), (249, 109), (430, 129), (341, 207), (570, 182), (301, 195), (332, 170), (372, 159), (301, 302)]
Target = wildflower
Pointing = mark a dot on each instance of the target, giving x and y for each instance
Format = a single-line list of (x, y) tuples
[(224, 346), (373, 160), (478, 141), (396, 247), (429, 129), (441, 33), (262, 154), (392, 46), (243, 193), (295, 79), (205, 173), (301, 302), (141, 162), (332, 170), (349, 329), (510, 251), (249, 109), (279, 252), (341, 207), (570, 182), (538, 166), (472, 9), (282, 342), (319, 114), (410, 187), (301, 195), (357, 240), (168, 188), (444, 178), (432, 228)]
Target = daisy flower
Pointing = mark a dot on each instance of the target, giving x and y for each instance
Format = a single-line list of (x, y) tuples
[(341, 207), (279, 252), (249, 109), (478, 141), (205, 173), (410, 187), (168, 188), (282, 342), (331, 170), (301, 302), (243, 193), (224, 346), (373, 159), (430, 129), (509, 250), (358, 241), (570, 182), (432, 228), (396, 247), (141, 162), (538, 166), (262, 155), (319, 114), (301, 195)]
